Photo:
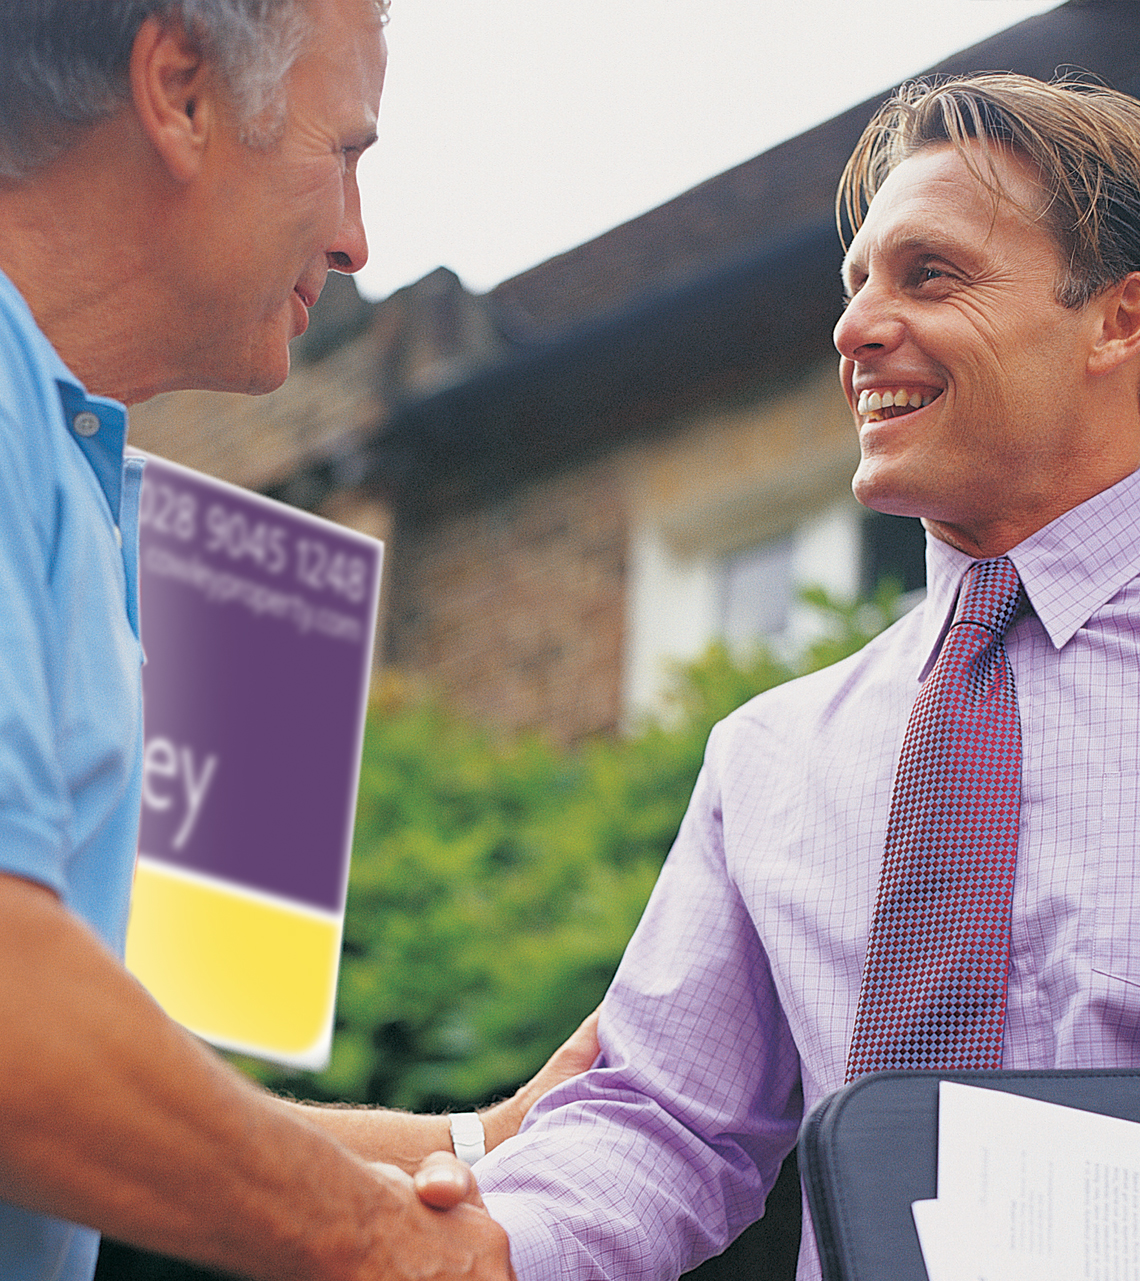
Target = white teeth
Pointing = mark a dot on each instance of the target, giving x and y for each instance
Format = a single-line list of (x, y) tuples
[(870, 402)]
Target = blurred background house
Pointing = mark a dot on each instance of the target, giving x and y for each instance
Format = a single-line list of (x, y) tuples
[(608, 461)]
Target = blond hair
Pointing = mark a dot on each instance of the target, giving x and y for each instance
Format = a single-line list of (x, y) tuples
[(1082, 140)]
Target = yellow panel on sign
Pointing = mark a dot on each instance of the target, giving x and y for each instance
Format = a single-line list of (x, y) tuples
[(263, 978)]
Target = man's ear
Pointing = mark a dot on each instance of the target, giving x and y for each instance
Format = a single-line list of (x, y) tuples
[(1119, 337), (171, 90)]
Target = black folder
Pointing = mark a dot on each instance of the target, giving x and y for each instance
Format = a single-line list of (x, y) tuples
[(870, 1149)]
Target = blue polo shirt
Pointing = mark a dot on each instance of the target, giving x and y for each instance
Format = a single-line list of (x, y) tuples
[(70, 677)]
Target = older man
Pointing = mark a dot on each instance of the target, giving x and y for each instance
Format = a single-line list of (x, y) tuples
[(824, 913), (176, 179)]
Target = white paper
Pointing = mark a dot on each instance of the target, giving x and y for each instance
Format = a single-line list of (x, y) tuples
[(1030, 1191), (938, 1236)]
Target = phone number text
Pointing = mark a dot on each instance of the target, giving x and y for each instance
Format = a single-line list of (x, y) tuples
[(229, 532)]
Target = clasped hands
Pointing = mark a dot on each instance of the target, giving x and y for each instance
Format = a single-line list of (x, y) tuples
[(454, 1230), (443, 1233)]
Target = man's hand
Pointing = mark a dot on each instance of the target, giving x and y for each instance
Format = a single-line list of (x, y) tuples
[(444, 1181), (203, 1166), (571, 1059), (447, 1233)]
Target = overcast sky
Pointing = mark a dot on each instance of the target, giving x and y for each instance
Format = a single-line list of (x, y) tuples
[(512, 130)]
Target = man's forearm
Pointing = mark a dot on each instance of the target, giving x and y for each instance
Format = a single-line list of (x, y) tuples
[(402, 1139), (116, 1117), (406, 1138)]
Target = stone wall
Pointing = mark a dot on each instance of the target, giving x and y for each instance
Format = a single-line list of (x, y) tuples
[(515, 611)]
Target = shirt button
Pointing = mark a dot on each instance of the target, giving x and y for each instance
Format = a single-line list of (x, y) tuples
[(118, 536), (86, 423)]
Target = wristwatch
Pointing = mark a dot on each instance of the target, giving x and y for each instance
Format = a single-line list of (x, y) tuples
[(468, 1137)]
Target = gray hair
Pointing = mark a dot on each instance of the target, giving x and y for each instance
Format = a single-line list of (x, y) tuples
[(64, 64)]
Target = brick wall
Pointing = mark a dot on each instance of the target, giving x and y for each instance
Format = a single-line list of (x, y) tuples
[(515, 611)]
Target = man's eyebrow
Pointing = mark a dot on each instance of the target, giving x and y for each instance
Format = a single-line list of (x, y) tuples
[(910, 244), (849, 268), (923, 242)]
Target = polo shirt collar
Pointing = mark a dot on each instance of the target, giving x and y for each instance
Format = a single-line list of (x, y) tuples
[(1070, 568), (97, 425)]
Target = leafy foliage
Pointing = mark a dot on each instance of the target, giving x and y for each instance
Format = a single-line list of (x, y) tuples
[(494, 884)]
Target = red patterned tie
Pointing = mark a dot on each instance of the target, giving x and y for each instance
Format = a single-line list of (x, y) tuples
[(934, 978)]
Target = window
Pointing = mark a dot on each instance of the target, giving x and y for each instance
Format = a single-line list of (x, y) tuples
[(756, 592)]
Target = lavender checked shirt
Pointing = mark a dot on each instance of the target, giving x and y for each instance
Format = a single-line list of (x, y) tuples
[(732, 1010)]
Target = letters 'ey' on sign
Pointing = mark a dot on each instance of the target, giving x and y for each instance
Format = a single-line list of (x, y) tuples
[(257, 622)]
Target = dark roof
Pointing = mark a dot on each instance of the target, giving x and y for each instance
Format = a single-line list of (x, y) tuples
[(619, 375), (771, 195), (726, 287)]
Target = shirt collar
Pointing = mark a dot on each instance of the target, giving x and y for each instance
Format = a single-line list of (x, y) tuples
[(96, 424), (99, 427), (1069, 569)]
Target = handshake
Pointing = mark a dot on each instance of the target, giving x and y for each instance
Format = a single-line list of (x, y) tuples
[(432, 1222)]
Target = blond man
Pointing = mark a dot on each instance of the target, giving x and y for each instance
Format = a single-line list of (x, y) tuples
[(990, 352)]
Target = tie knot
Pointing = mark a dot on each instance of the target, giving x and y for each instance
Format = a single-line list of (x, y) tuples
[(991, 594)]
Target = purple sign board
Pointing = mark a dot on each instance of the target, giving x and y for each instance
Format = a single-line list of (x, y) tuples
[(257, 623)]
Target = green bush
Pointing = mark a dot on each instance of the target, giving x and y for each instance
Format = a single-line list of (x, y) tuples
[(494, 884)]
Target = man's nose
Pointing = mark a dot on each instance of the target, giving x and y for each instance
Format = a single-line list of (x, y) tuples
[(869, 325), (349, 252)]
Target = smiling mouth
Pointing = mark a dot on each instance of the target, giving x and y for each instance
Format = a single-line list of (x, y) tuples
[(878, 406)]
